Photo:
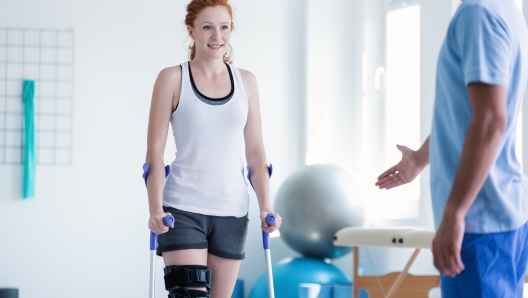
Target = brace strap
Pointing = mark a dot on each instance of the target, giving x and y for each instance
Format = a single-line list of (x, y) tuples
[(184, 293), (187, 276)]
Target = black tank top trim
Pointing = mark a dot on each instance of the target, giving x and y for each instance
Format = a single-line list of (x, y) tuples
[(209, 100)]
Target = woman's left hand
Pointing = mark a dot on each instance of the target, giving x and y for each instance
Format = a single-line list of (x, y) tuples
[(267, 228)]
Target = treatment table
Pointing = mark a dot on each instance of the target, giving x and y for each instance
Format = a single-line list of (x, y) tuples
[(395, 284)]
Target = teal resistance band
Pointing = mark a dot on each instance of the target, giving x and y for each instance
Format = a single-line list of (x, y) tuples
[(30, 159)]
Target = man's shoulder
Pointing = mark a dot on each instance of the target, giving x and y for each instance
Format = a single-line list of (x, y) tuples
[(486, 10)]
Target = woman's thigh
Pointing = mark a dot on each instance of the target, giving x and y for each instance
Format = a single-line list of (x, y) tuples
[(185, 257), (225, 272)]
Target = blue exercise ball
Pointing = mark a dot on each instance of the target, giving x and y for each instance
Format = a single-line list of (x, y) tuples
[(289, 273), (315, 202)]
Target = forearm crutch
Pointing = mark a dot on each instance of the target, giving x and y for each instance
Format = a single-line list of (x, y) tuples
[(270, 218), (168, 220)]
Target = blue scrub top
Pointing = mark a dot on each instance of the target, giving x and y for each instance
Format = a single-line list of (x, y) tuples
[(487, 41)]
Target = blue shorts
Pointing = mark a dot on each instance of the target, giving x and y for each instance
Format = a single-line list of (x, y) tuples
[(495, 266)]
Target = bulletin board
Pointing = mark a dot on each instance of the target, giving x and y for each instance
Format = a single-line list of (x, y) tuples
[(45, 56)]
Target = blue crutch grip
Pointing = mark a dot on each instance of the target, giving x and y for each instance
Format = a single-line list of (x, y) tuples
[(270, 218), (168, 220), (266, 243)]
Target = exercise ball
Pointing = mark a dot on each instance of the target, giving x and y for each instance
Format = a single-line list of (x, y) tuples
[(315, 202), (290, 273), (238, 292)]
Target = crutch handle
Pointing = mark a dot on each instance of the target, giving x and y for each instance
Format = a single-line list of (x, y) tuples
[(270, 219), (168, 220), (266, 243)]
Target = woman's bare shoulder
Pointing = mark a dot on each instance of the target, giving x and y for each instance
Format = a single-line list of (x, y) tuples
[(170, 75), (246, 74), (249, 79)]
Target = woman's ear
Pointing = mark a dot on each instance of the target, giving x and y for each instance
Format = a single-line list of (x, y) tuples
[(190, 30)]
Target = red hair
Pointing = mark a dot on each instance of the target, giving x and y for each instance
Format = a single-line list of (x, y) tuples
[(193, 9)]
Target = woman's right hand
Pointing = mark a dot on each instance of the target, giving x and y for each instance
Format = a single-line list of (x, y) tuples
[(156, 223), (403, 172), (264, 224)]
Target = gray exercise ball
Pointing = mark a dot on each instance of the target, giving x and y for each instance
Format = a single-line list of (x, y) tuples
[(315, 202)]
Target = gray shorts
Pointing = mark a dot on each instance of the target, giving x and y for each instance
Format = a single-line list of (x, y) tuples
[(224, 237)]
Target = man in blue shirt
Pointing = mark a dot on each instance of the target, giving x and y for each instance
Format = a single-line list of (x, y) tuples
[(480, 196)]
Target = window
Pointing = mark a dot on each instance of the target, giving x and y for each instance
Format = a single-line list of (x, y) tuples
[(402, 105)]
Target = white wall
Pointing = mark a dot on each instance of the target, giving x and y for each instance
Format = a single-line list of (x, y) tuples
[(85, 232), (334, 51)]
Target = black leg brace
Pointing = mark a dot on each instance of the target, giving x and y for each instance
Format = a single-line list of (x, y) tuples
[(189, 276), (184, 293)]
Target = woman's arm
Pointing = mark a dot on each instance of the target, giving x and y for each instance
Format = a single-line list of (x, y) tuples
[(255, 154), (164, 97)]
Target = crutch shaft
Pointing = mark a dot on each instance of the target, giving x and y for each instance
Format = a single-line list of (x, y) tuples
[(269, 273), (152, 273)]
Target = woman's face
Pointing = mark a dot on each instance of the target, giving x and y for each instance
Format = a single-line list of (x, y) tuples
[(211, 32)]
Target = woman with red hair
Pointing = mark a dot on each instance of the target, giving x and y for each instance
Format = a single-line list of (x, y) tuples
[(214, 111)]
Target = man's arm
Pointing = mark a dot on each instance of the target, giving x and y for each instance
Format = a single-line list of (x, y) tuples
[(482, 141)]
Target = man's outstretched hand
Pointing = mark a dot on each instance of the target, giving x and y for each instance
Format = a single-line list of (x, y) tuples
[(403, 172)]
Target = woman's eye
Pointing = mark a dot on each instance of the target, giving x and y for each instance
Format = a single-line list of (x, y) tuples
[(225, 27), (207, 27)]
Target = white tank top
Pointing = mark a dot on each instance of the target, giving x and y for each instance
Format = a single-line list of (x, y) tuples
[(207, 176)]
